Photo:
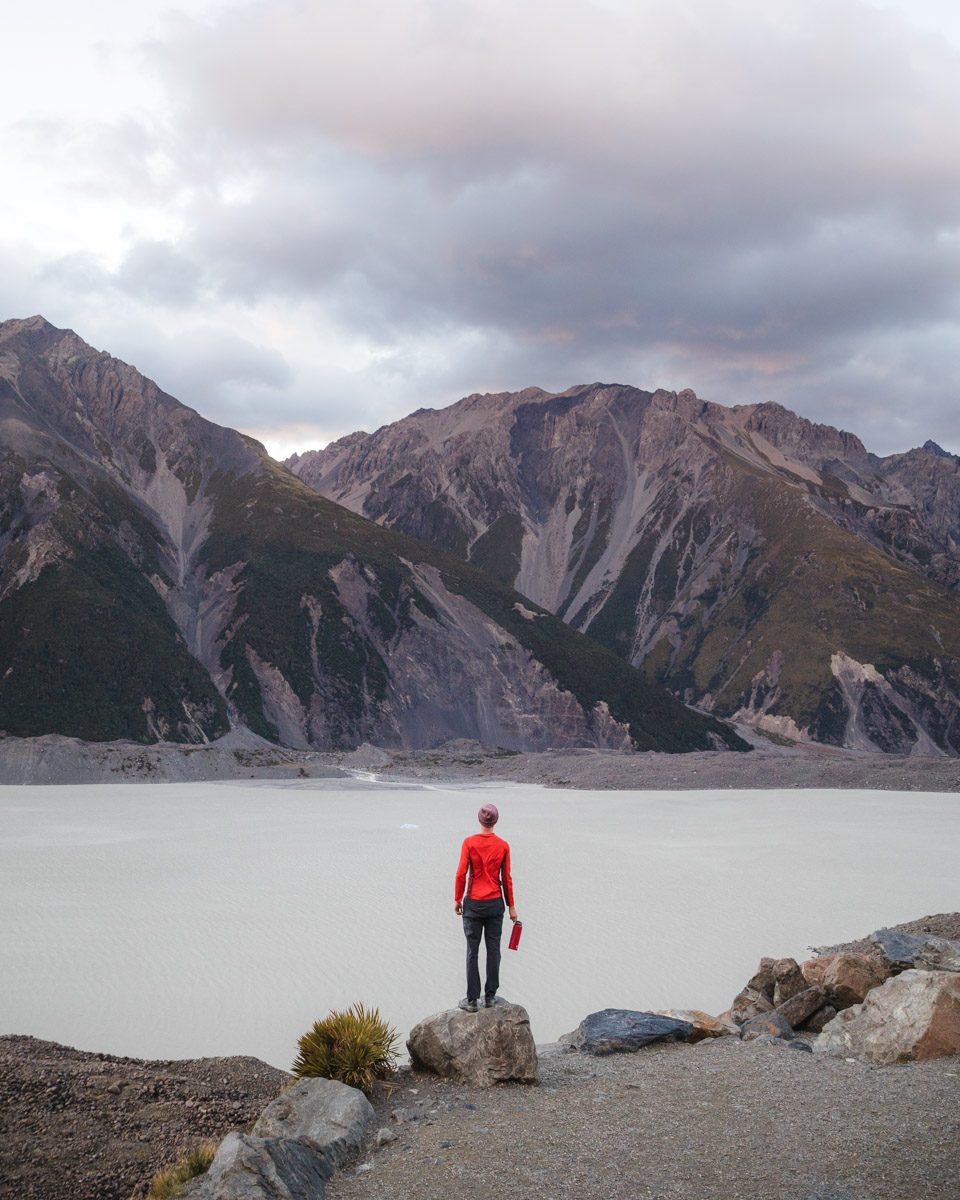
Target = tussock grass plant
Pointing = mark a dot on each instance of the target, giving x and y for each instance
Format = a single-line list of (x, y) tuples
[(355, 1046), (168, 1182)]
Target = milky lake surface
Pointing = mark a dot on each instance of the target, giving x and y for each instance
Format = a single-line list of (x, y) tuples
[(181, 920)]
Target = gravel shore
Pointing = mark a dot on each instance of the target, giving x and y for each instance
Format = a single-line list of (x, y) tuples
[(722, 1120), (945, 925), (602, 770), (717, 1121), (59, 760)]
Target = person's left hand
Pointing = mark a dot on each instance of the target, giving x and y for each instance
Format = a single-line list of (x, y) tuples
[(513, 914), (458, 908)]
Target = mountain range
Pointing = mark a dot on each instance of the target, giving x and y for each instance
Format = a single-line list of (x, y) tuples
[(763, 568), (162, 578)]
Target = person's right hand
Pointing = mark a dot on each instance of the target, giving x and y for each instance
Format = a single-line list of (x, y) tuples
[(458, 908), (513, 915)]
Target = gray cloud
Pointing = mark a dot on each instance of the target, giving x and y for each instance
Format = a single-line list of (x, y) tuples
[(759, 201)]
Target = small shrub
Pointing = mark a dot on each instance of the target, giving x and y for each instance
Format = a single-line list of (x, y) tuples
[(355, 1046), (168, 1182)]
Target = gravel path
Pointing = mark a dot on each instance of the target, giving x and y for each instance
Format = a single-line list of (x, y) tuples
[(717, 1121)]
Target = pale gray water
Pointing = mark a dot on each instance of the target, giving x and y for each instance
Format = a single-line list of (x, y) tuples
[(180, 920)]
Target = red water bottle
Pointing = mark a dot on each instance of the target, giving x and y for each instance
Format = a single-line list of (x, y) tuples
[(515, 934)]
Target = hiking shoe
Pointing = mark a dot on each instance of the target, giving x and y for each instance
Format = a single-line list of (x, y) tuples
[(489, 1001), (468, 1005)]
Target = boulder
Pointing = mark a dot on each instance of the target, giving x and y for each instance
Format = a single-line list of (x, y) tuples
[(757, 996), (330, 1113), (704, 1026), (490, 1046), (624, 1031), (913, 1016), (788, 980), (850, 976), (897, 949), (820, 1019), (772, 1023), (937, 954), (252, 1168), (900, 951), (814, 969), (802, 1006)]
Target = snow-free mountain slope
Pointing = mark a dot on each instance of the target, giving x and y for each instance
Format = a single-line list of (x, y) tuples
[(760, 565), (162, 577)]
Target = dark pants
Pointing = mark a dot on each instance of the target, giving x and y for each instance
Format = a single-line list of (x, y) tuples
[(483, 918)]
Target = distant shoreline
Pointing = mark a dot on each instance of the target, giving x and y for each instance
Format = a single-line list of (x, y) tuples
[(55, 760)]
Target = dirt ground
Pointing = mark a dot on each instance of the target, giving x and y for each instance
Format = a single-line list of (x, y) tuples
[(81, 1126)]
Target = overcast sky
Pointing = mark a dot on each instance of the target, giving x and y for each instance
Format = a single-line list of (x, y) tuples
[(305, 218)]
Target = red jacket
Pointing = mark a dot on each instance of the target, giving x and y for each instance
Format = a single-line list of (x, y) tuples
[(486, 858)]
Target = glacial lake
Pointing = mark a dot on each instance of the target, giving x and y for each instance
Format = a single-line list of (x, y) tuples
[(182, 920)]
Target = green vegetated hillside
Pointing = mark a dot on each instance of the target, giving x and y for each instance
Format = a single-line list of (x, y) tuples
[(290, 540), (790, 617), (161, 577), (87, 648)]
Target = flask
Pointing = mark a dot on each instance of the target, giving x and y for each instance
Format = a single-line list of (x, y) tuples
[(515, 934)]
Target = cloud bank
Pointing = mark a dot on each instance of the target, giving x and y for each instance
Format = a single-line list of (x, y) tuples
[(405, 202)]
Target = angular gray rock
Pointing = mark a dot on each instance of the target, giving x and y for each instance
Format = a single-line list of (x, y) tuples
[(900, 951), (252, 1168), (914, 1016), (767, 1023), (332, 1114), (494, 1045), (937, 954), (788, 980), (624, 1031), (802, 1006), (895, 948)]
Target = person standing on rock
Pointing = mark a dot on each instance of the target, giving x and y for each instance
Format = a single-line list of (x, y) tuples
[(483, 882)]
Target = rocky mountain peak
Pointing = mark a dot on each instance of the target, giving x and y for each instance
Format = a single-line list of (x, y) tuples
[(162, 578), (33, 334), (803, 439), (34, 324), (757, 562)]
